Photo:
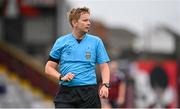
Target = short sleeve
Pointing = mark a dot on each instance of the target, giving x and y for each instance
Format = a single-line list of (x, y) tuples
[(102, 56), (56, 50)]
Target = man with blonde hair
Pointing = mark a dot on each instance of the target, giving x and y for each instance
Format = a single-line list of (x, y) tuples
[(78, 53)]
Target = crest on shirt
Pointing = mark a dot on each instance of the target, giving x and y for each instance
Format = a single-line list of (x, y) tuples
[(88, 55)]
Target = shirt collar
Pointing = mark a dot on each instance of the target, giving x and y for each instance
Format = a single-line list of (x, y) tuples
[(82, 38)]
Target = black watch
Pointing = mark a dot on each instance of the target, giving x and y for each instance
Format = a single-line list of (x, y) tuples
[(60, 78), (106, 85)]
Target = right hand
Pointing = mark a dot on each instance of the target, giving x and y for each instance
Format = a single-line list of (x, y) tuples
[(68, 77)]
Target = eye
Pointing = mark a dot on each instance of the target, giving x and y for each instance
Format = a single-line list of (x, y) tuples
[(85, 20)]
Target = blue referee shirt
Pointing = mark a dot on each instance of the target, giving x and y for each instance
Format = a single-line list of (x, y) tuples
[(79, 58)]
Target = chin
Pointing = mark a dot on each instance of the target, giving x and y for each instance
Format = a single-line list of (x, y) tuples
[(85, 31)]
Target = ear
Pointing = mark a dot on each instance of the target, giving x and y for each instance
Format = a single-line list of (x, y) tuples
[(74, 22)]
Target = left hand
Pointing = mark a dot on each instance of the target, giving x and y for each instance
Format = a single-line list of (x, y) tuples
[(104, 92)]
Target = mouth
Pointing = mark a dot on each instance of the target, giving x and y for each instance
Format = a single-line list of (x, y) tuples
[(88, 28)]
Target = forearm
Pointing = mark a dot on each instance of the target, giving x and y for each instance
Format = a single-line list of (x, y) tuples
[(51, 71), (104, 91), (105, 73)]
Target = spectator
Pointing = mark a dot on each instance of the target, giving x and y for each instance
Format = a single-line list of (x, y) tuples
[(118, 86)]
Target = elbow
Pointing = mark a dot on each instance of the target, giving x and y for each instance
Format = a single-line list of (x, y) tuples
[(46, 70)]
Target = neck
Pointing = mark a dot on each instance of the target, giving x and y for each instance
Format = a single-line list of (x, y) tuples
[(78, 35)]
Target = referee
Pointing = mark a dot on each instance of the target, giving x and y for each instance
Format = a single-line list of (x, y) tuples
[(75, 56)]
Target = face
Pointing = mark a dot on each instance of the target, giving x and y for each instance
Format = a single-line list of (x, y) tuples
[(83, 23)]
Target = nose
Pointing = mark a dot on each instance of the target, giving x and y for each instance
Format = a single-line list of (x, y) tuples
[(89, 23)]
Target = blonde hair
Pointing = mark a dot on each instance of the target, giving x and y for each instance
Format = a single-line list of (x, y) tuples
[(75, 13)]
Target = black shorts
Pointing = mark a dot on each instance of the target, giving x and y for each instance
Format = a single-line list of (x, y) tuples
[(77, 97)]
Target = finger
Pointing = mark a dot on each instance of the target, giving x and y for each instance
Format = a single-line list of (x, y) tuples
[(101, 94), (69, 78), (73, 75), (106, 95), (66, 78), (70, 75)]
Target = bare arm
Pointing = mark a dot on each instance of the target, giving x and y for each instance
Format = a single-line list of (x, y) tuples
[(104, 69), (50, 69), (105, 73)]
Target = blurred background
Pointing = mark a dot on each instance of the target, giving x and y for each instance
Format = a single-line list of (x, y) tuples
[(141, 36)]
